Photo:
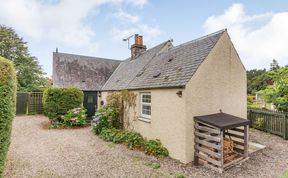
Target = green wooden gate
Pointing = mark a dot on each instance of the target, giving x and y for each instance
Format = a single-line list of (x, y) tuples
[(35, 105), (29, 103), (21, 103)]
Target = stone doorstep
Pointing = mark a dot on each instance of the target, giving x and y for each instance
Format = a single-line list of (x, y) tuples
[(254, 147)]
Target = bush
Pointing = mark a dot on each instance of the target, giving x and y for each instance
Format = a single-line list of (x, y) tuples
[(7, 106), (108, 118), (259, 122), (109, 129), (112, 135), (154, 147), (250, 100), (134, 140), (74, 117), (58, 101)]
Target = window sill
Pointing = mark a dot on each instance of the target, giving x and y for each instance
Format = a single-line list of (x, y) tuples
[(144, 119)]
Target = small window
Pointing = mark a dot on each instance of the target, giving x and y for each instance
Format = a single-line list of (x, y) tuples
[(90, 99), (145, 105)]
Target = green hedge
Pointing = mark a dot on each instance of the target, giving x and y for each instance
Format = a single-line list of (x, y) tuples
[(58, 101), (7, 106)]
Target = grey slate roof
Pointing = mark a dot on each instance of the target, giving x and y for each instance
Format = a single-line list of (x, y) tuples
[(156, 69), (86, 73)]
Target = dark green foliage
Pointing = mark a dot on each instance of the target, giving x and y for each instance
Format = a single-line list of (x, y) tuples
[(58, 101), (131, 139), (112, 135), (108, 118), (154, 147), (257, 80), (109, 129), (134, 140), (74, 117), (7, 106), (30, 75)]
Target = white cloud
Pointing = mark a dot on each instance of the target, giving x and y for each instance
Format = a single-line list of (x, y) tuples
[(131, 24), (60, 21), (121, 15), (258, 38)]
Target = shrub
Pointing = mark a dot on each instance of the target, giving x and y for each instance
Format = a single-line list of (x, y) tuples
[(108, 118), (7, 106), (112, 135), (250, 100), (154, 147), (74, 117), (134, 140), (259, 122), (109, 129), (58, 101)]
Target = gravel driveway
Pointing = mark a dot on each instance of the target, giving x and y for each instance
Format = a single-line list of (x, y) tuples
[(36, 151)]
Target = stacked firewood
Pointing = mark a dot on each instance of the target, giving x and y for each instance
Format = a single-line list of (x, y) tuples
[(229, 153)]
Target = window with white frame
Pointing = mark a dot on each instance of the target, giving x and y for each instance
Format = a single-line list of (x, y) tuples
[(145, 104)]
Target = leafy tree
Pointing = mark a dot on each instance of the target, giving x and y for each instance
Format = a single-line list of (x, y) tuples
[(30, 75), (274, 65), (278, 92), (257, 80)]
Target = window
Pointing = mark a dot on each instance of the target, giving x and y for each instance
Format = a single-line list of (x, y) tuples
[(145, 105), (90, 99)]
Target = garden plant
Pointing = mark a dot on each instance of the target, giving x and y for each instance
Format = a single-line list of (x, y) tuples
[(110, 129), (8, 87), (64, 107)]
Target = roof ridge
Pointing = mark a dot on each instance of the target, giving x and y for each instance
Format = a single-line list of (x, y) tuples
[(149, 49), (200, 38), (99, 58)]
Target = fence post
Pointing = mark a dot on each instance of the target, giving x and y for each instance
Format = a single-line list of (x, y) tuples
[(285, 126)]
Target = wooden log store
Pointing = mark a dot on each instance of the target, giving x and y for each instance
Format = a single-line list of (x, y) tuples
[(221, 140)]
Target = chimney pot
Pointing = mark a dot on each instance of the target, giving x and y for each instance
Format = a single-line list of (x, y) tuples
[(136, 37), (137, 48), (140, 40)]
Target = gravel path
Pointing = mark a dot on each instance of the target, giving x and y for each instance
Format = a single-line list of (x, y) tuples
[(36, 151)]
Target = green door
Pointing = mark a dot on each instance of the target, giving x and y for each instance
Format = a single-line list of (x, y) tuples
[(90, 103), (21, 103)]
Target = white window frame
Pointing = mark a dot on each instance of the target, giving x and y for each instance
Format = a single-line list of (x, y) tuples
[(145, 116)]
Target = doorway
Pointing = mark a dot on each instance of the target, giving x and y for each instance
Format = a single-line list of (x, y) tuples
[(90, 103)]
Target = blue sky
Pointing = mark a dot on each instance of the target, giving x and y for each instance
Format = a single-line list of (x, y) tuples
[(259, 29)]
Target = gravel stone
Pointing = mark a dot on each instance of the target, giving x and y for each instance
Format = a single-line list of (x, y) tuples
[(37, 151)]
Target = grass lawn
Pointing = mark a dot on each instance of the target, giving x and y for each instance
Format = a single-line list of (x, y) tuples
[(285, 174)]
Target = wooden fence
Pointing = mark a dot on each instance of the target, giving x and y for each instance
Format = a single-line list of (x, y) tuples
[(269, 121), (29, 103)]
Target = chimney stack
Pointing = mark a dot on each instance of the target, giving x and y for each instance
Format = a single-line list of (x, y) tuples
[(137, 48)]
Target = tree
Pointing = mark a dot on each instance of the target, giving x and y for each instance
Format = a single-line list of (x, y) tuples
[(256, 80), (30, 75), (278, 92), (274, 65)]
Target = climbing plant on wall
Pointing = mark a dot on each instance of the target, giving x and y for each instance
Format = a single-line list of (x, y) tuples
[(125, 102)]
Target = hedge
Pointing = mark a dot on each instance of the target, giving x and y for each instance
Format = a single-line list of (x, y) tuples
[(58, 101), (7, 106)]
